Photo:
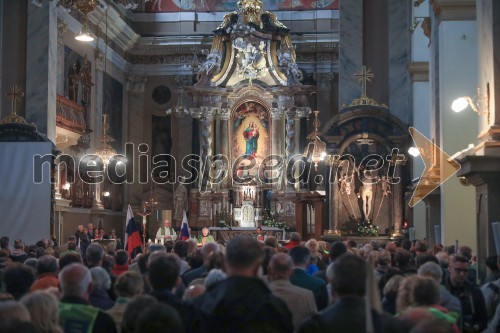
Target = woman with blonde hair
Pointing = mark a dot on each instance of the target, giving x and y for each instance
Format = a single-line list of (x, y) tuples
[(43, 307)]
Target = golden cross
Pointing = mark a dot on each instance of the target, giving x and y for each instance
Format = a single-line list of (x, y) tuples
[(15, 94), (365, 76)]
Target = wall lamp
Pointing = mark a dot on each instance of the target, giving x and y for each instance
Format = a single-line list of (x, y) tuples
[(477, 104)]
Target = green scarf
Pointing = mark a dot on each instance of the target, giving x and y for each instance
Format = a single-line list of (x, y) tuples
[(163, 231)]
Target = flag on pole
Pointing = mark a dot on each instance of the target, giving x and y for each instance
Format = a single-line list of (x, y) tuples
[(133, 243), (184, 227)]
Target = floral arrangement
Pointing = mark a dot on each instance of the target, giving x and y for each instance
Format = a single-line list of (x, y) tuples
[(270, 221), (359, 227), (366, 228)]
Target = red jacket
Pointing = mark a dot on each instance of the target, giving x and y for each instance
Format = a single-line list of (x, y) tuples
[(45, 281), (119, 269), (291, 244)]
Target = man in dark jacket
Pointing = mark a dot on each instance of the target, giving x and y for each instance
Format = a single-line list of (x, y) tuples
[(475, 318), (348, 313), (242, 302)]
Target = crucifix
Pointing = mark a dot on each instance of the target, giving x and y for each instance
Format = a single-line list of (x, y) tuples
[(364, 77), (15, 94)]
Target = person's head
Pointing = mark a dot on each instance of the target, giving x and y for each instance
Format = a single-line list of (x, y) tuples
[(4, 242), (12, 310), (18, 279), (492, 263), (156, 248), (406, 244), (71, 246), (426, 291), (70, 258), (214, 276), (204, 232), (432, 270), (95, 254), (383, 258), (44, 310), (243, 256), (166, 223), (113, 233), (421, 246), (163, 271), (300, 256), (443, 259), (129, 284), (181, 248), (75, 280), (18, 244), (391, 247), (85, 231), (259, 230), (349, 276), (392, 286), (90, 227), (192, 246), (209, 248), (280, 267), (337, 249), (312, 245), (158, 317), (295, 237), (465, 252), (121, 257), (33, 263), (405, 293), (80, 228), (423, 258), (402, 257), (459, 267), (130, 315), (271, 241), (100, 278), (47, 264)]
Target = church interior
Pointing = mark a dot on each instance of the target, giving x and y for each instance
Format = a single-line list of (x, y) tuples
[(330, 118)]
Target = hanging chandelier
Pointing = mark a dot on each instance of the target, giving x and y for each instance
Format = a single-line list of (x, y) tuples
[(316, 149), (105, 150)]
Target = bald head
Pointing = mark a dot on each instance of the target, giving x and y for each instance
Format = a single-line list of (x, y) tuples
[(280, 267), (75, 280)]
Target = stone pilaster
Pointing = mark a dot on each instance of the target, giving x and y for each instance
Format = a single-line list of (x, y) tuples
[(351, 52), (135, 87), (41, 68), (61, 29), (206, 139), (489, 76)]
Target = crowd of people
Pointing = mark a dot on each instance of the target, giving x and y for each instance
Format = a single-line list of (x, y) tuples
[(245, 285)]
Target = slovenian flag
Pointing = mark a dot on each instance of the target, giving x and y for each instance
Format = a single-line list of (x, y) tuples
[(133, 243), (184, 227)]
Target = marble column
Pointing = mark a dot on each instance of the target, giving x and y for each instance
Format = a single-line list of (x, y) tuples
[(206, 143), (289, 143), (351, 49), (277, 137), (136, 87), (41, 68), (224, 142)]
